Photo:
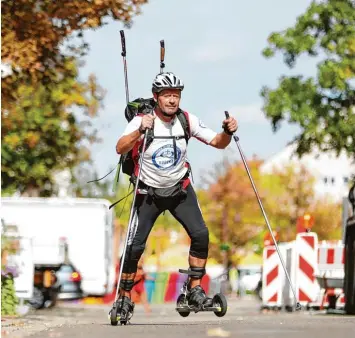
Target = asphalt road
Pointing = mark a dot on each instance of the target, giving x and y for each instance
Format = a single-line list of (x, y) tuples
[(243, 319)]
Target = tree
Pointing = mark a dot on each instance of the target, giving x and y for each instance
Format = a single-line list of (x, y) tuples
[(290, 194), (40, 40), (324, 106), (35, 32), (234, 218), (9, 247), (41, 135), (231, 210), (327, 219)]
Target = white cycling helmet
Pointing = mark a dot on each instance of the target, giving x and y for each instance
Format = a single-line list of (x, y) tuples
[(166, 81)]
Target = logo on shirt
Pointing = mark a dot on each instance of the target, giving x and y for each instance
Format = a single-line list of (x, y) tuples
[(200, 123), (163, 157)]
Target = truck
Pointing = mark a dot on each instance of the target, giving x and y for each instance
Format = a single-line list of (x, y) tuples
[(84, 225)]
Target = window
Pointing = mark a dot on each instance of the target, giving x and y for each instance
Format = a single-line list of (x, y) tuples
[(325, 179), (333, 180), (346, 179)]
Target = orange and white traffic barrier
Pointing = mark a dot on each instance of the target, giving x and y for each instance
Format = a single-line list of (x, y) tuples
[(330, 273), (316, 271), (331, 258), (273, 277), (306, 248), (301, 264)]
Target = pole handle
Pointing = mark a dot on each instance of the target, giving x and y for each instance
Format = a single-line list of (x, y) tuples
[(123, 43), (236, 138), (162, 55)]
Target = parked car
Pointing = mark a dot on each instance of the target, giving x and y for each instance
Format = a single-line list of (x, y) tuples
[(45, 289), (249, 277), (70, 282), (62, 282)]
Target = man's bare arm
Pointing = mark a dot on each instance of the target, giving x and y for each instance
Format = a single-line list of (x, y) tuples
[(127, 142), (221, 140)]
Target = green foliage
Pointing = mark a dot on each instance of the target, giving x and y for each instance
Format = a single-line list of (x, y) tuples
[(234, 218), (41, 40), (41, 135), (231, 210), (9, 246), (9, 300), (38, 35), (289, 194), (324, 107)]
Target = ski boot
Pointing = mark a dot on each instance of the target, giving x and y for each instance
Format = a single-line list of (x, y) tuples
[(195, 299), (122, 311)]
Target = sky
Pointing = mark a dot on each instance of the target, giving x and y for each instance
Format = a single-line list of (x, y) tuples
[(215, 48)]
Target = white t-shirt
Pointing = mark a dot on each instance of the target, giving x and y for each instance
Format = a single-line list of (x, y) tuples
[(160, 169)]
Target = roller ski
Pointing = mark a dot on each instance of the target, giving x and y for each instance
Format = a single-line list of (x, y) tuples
[(195, 299), (122, 311)]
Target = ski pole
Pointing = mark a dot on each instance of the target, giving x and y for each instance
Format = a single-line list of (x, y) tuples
[(162, 56), (236, 139), (132, 211)]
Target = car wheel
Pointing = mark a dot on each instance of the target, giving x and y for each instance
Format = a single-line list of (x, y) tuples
[(38, 300)]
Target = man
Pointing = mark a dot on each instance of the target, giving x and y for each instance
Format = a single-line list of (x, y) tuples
[(139, 286), (164, 182)]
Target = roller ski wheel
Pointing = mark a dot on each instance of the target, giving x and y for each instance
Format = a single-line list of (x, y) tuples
[(113, 316), (220, 303), (181, 304), (122, 311)]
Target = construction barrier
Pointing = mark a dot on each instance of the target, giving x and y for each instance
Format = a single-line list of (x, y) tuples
[(272, 278), (300, 258), (315, 269), (330, 274), (306, 248)]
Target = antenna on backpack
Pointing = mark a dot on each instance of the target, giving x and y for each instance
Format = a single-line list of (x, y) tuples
[(119, 164), (162, 56), (123, 43)]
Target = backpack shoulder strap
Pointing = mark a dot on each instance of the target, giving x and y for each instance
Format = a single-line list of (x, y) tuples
[(183, 117)]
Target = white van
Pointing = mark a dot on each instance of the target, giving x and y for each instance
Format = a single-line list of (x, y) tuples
[(85, 224)]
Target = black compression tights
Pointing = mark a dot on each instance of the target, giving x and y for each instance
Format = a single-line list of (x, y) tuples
[(186, 211)]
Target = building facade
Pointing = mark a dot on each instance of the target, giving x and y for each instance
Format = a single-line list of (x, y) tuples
[(332, 174)]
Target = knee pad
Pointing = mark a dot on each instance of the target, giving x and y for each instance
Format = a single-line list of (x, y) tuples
[(132, 256), (200, 272), (199, 243), (126, 284)]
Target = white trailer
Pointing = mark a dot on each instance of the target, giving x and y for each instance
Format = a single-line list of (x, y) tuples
[(85, 224)]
